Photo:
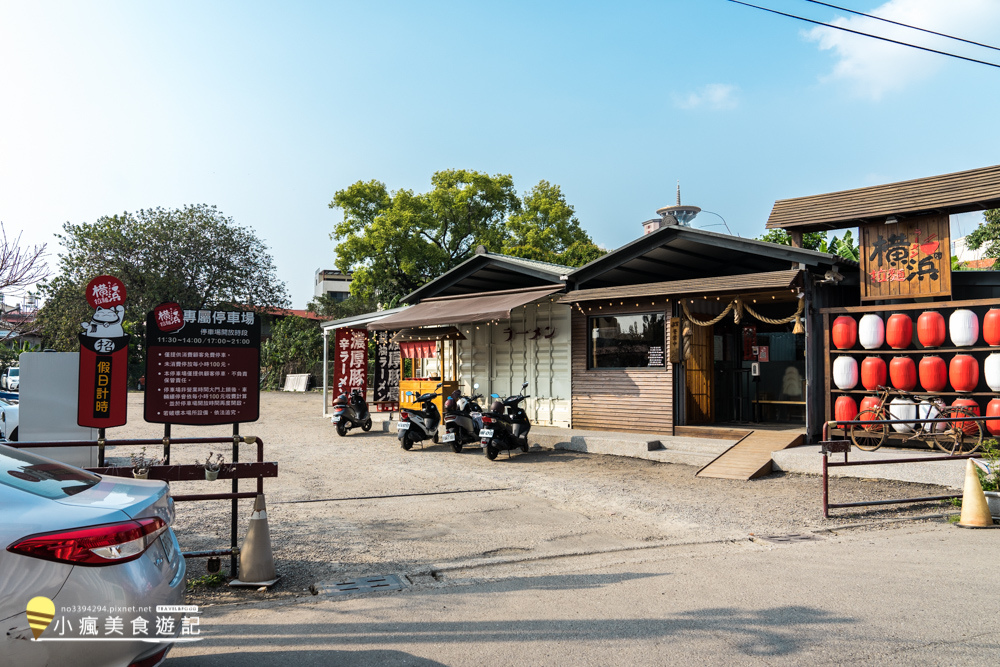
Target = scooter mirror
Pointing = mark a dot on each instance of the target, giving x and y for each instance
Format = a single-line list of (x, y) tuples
[(409, 393), (475, 386), (524, 385), (438, 385)]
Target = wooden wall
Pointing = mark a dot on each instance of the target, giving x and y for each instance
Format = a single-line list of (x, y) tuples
[(638, 399)]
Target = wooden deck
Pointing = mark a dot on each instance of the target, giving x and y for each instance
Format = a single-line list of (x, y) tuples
[(750, 457)]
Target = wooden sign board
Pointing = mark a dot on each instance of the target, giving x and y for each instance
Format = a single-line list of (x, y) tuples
[(674, 335), (906, 260)]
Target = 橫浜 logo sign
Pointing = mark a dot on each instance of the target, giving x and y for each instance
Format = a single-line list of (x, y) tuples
[(103, 388)]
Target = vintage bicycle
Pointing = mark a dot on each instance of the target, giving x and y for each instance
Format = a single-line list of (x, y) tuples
[(958, 435)]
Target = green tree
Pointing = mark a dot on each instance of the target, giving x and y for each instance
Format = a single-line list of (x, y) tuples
[(810, 240), (195, 256), (295, 346), (843, 246), (546, 229), (394, 242), (987, 234)]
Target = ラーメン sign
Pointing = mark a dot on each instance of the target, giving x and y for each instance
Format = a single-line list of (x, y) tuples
[(103, 384), (350, 369), (202, 366)]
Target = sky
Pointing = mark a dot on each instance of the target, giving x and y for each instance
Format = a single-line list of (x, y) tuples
[(267, 109)]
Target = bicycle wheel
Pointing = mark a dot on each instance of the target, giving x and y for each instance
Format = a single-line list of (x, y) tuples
[(869, 437), (962, 436)]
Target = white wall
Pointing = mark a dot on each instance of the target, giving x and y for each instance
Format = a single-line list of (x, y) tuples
[(500, 366)]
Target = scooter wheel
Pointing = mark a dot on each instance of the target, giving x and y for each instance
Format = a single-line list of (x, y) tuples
[(341, 429), (491, 452), (407, 443), (457, 447), (367, 426), (524, 446), (435, 438)]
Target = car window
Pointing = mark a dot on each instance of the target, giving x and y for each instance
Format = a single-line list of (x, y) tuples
[(14, 372), (42, 477)]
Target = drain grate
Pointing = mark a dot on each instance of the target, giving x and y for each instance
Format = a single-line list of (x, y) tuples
[(785, 539), (388, 582)]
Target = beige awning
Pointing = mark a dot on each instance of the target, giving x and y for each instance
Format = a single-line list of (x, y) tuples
[(464, 309), (746, 282)]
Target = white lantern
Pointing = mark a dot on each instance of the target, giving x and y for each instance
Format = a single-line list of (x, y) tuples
[(991, 368), (963, 325), (931, 409), (845, 372), (871, 331), (902, 408)]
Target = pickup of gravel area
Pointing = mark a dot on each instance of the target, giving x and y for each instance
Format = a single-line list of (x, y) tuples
[(537, 505)]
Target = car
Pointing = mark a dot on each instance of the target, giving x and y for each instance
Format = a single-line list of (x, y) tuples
[(11, 379), (81, 550), (8, 420)]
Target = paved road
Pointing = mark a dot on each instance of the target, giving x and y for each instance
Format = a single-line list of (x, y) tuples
[(911, 594)]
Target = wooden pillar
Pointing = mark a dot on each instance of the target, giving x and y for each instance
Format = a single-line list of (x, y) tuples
[(796, 238)]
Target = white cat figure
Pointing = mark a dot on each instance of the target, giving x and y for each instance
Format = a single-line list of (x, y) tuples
[(106, 323)]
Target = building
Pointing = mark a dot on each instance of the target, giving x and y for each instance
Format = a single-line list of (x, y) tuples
[(332, 283)]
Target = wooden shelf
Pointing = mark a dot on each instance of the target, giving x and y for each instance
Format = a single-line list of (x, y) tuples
[(921, 350), (920, 393)]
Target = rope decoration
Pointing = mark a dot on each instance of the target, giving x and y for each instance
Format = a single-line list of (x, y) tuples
[(739, 306)]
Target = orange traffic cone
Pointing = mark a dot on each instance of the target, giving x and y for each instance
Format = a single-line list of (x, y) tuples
[(975, 511), (256, 559)]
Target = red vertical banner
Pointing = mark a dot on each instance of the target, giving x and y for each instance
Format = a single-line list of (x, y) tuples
[(350, 361), (102, 400)]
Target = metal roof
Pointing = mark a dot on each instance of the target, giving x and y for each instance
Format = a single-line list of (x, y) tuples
[(463, 309), (718, 284), (486, 272), (959, 192), (361, 319)]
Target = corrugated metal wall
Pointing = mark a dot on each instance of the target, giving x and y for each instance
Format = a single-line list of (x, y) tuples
[(534, 345)]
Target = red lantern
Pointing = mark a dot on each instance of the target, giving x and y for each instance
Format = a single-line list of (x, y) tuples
[(873, 373), (973, 407), (846, 409), (903, 373), (899, 331), (845, 332), (991, 327), (963, 371), (869, 403), (993, 410), (933, 373), (931, 328)]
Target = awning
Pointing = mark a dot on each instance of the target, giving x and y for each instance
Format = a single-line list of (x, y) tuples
[(464, 309), (415, 350), (429, 333), (746, 282)]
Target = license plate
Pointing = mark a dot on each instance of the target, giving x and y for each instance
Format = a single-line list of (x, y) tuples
[(402, 426), (486, 433), (448, 437), (335, 419)]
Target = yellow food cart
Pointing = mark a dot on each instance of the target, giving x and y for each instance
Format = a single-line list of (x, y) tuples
[(434, 358)]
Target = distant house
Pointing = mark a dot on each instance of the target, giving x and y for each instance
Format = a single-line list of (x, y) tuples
[(332, 283)]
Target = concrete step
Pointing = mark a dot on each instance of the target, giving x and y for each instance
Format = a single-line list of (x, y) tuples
[(653, 446), (808, 460)]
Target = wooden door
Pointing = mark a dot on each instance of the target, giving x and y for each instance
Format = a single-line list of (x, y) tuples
[(698, 373)]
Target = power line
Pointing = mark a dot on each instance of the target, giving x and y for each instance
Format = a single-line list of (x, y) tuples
[(905, 25), (865, 34)]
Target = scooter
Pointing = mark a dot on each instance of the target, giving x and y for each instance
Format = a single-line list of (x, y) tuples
[(463, 418), (419, 425), (351, 412), (505, 426)]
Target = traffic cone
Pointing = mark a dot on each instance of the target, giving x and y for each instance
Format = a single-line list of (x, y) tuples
[(975, 511), (256, 559)]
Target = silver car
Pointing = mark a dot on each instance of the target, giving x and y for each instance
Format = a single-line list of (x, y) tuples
[(101, 549)]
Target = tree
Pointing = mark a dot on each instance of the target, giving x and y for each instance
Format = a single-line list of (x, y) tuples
[(195, 256), (20, 267), (394, 242), (295, 346), (810, 240), (987, 234), (547, 230)]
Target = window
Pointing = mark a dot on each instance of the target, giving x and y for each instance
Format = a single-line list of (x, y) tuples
[(627, 341)]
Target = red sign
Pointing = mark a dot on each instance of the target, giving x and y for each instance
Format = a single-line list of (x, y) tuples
[(102, 394), (350, 361), (105, 291), (207, 371), (169, 317)]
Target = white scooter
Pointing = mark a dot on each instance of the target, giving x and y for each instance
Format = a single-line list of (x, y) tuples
[(419, 425)]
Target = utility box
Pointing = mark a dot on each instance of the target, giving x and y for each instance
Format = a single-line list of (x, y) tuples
[(48, 408)]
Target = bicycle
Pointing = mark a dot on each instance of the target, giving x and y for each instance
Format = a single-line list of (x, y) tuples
[(960, 435)]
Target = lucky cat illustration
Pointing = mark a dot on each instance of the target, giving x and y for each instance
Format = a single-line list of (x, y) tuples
[(106, 323)]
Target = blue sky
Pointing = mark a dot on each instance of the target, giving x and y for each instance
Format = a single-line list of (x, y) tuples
[(267, 109)]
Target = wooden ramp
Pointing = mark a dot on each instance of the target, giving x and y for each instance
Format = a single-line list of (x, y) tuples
[(751, 456)]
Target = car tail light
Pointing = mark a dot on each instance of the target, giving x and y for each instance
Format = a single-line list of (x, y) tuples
[(107, 544), (152, 660)]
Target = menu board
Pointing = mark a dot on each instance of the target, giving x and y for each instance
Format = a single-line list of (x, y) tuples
[(656, 355), (207, 371)]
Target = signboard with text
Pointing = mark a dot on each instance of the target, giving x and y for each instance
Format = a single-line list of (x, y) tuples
[(350, 361), (905, 260), (387, 368), (202, 366), (102, 397)]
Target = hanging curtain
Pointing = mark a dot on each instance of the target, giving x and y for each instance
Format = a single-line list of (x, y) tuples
[(418, 349)]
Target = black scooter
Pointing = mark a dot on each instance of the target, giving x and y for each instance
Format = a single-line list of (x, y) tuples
[(419, 425), (463, 418), (505, 426), (351, 412)]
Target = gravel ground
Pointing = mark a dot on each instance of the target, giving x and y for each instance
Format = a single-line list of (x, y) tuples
[(531, 506)]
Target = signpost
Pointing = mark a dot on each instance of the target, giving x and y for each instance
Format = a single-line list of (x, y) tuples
[(202, 366), (350, 367), (103, 389)]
